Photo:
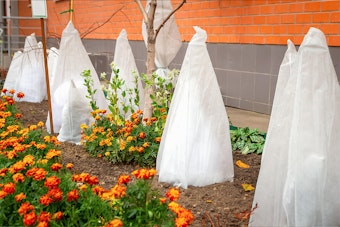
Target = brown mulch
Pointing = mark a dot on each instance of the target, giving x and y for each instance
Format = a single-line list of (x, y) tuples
[(222, 204)]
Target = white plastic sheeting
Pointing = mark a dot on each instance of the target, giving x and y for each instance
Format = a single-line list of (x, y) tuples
[(125, 62), (75, 112), (168, 41), (299, 179), (72, 61), (26, 73), (195, 148)]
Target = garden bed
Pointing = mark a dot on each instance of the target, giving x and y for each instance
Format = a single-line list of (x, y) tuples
[(225, 202)]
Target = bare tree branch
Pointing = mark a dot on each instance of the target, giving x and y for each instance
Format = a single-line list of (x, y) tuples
[(141, 8), (93, 29), (168, 17)]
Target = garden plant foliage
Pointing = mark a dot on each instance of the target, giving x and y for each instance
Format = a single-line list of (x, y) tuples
[(37, 190)]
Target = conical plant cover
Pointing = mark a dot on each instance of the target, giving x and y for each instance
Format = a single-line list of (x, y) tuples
[(72, 61), (195, 148), (299, 180), (125, 62), (75, 113), (26, 73), (168, 41)]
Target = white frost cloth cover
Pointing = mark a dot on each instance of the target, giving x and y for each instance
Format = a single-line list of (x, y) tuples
[(168, 40), (125, 62), (72, 61), (195, 148), (27, 72), (299, 180), (75, 113)]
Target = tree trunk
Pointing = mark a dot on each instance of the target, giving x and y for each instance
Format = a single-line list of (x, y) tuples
[(150, 59)]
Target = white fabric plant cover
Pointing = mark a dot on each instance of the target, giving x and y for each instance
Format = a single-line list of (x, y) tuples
[(75, 112), (299, 180), (72, 61), (195, 148), (27, 73), (125, 62), (168, 41)]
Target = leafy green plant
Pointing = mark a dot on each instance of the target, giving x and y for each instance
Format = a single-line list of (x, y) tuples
[(37, 190), (247, 140)]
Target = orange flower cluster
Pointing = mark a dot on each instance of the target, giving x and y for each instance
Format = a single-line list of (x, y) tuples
[(73, 195), (184, 217), (85, 178), (36, 173), (173, 194), (144, 173), (114, 223)]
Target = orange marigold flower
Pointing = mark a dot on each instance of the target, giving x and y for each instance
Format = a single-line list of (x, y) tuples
[(20, 95), (25, 208), (4, 90), (36, 173), (187, 215), (173, 194), (44, 217), (142, 135), (181, 222), (73, 195), (53, 153), (3, 194), (98, 190), (19, 197), (33, 127), (56, 194), (3, 172), (52, 182), (30, 219), (57, 216), (45, 200), (42, 224), (162, 200), (41, 146), (56, 166), (69, 166), (18, 115), (92, 180), (158, 139), (9, 188), (18, 177), (144, 173), (114, 223), (12, 91), (83, 187), (18, 166), (124, 179)]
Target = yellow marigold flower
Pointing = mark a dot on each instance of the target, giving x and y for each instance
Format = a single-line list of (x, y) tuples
[(69, 165), (108, 142), (122, 145), (132, 149), (130, 138), (33, 127), (83, 187), (17, 167), (40, 124), (107, 153), (4, 134), (28, 159), (12, 128), (83, 126), (97, 118), (162, 200), (43, 161), (47, 139), (146, 144)]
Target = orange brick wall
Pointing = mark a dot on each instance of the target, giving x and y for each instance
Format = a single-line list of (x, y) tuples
[(226, 21)]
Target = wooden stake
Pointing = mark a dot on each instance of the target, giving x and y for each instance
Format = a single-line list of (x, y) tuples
[(71, 10), (46, 74)]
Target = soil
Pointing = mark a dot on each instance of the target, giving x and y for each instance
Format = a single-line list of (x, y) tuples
[(223, 204)]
